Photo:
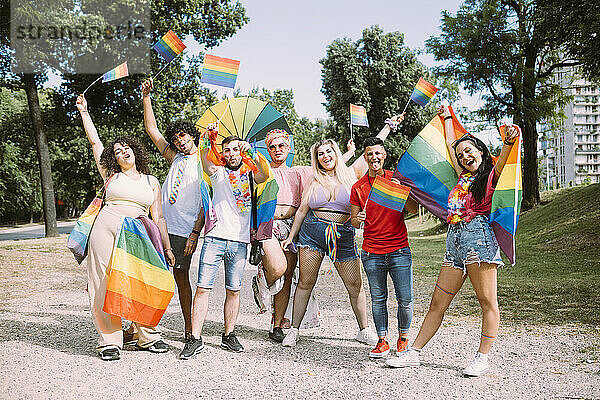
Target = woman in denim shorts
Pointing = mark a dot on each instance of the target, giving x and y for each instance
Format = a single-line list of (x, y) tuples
[(471, 247), (323, 220)]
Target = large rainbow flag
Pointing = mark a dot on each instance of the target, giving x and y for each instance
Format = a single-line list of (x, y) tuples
[(120, 71), (169, 46), (265, 194), (389, 194), (506, 201), (140, 285), (219, 71), (426, 167)]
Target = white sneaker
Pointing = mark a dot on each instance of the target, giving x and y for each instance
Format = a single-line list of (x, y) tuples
[(479, 366), (291, 338), (406, 358), (368, 336)]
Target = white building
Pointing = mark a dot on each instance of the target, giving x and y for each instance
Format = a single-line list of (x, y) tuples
[(570, 154)]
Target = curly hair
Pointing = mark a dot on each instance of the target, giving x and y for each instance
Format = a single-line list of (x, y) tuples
[(483, 172), (109, 162), (181, 126)]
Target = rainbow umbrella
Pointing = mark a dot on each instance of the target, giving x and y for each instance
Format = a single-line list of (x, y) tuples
[(247, 118)]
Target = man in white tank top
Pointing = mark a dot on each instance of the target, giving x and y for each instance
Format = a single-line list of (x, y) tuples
[(227, 241), (181, 201)]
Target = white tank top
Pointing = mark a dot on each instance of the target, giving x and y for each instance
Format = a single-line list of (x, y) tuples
[(122, 190)]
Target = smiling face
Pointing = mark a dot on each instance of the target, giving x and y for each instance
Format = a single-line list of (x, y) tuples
[(468, 155), (326, 156), (375, 156), (124, 155), (279, 150), (231, 154), (184, 142)]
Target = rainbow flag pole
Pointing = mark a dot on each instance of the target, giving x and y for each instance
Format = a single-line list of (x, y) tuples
[(422, 93), (168, 47), (120, 71)]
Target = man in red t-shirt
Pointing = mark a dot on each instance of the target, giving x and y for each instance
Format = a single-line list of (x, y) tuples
[(384, 249)]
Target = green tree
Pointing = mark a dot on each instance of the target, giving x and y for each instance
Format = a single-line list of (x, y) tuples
[(378, 72), (510, 50)]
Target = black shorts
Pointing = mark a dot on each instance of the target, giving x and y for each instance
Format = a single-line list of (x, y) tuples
[(178, 246)]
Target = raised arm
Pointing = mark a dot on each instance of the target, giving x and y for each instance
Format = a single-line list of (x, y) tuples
[(261, 163), (360, 166), (92, 133), (444, 112), (351, 150), (208, 166), (512, 133), (150, 123)]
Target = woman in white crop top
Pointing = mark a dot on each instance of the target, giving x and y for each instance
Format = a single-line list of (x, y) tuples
[(130, 192), (323, 221)]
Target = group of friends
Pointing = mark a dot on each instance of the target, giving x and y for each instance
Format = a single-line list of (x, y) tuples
[(319, 207)]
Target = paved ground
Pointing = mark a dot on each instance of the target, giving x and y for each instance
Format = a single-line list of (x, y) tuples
[(47, 349), (33, 231)]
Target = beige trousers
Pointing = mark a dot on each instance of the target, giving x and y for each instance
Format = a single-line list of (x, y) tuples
[(101, 241)]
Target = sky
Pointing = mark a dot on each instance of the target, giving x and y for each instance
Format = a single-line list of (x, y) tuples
[(281, 45)]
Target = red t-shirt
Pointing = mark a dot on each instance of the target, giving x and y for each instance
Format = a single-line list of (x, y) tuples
[(384, 230)]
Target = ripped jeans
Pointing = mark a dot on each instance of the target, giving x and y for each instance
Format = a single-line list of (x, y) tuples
[(471, 242)]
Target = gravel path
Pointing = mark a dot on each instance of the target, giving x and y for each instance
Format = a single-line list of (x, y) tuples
[(47, 344)]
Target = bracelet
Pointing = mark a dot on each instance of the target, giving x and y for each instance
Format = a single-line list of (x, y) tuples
[(192, 240), (84, 112), (168, 249), (506, 142), (448, 117), (196, 232)]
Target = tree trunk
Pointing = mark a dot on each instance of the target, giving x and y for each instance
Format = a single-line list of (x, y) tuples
[(43, 155), (531, 185)]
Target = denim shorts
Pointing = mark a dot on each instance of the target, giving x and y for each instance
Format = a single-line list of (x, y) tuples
[(314, 234), (233, 255), (471, 242)]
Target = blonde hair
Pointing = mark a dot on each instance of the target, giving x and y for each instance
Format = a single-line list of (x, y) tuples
[(344, 174)]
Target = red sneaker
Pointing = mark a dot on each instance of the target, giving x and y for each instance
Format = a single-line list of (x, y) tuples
[(401, 345), (381, 349)]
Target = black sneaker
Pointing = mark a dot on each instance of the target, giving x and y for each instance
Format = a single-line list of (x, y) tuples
[(277, 334), (156, 347), (192, 347), (110, 354), (230, 342)]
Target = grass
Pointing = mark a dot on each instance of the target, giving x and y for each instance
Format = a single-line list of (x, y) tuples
[(557, 275)]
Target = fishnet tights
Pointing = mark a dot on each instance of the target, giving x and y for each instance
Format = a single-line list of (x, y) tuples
[(349, 271)]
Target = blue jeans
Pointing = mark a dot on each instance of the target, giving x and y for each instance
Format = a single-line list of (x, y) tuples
[(399, 265), (232, 253)]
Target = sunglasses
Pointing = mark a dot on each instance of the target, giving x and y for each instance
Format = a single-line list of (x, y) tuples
[(279, 146)]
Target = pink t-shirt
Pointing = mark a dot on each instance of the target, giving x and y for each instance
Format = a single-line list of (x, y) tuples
[(292, 182)]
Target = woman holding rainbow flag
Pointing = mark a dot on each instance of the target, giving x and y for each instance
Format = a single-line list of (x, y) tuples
[(120, 229), (471, 247)]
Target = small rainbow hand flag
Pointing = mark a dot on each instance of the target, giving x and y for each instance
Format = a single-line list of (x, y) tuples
[(358, 115), (169, 46), (389, 194), (219, 71), (118, 72), (423, 92)]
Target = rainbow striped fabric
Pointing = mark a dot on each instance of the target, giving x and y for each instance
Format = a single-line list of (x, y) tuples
[(426, 167), (423, 92), (140, 285), (169, 46), (506, 201), (219, 71), (78, 238), (266, 196), (118, 72), (358, 115), (389, 194)]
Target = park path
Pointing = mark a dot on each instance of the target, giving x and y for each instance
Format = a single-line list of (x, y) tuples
[(47, 349)]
